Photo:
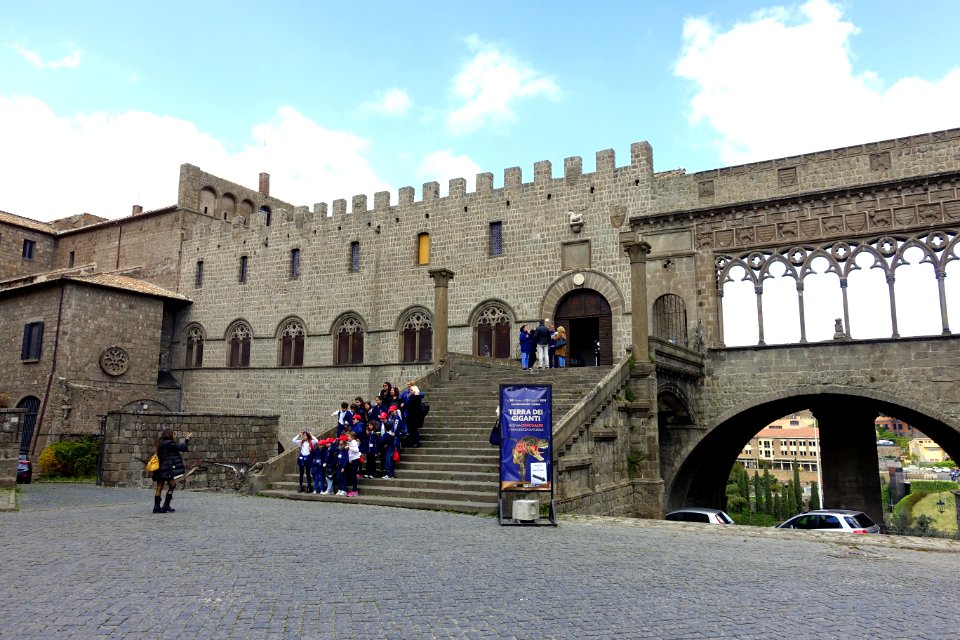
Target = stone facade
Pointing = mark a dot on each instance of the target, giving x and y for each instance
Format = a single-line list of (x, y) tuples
[(222, 449), (247, 264)]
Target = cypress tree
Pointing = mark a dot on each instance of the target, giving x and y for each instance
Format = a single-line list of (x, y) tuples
[(768, 492), (814, 495), (757, 493), (744, 482), (797, 487)]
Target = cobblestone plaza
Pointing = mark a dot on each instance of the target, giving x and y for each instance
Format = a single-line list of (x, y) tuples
[(83, 562)]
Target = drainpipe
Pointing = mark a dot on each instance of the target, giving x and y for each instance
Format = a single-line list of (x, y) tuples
[(119, 237), (53, 370)]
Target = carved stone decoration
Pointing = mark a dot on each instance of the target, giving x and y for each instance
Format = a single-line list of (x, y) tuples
[(746, 236), (617, 216), (725, 238), (114, 361), (787, 230), (880, 161), (905, 216), (856, 222), (705, 189), (810, 228), (952, 209), (881, 219), (705, 241), (787, 177), (833, 224), (928, 213), (766, 233)]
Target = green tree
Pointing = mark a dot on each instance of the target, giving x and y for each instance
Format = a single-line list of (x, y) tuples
[(814, 495), (758, 506), (768, 492), (797, 488), (743, 480)]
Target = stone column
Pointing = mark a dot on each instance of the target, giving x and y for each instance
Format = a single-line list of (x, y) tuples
[(441, 277), (637, 250)]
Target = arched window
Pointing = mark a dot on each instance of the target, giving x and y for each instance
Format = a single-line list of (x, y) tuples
[(195, 340), (239, 338), (670, 319), (493, 332), (228, 204), (291, 343), (208, 200), (416, 338), (349, 341), (423, 248), (265, 212)]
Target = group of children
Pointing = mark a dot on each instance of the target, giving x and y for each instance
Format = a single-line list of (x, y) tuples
[(366, 432)]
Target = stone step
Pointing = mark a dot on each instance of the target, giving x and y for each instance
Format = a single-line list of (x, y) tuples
[(411, 487), (460, 506)]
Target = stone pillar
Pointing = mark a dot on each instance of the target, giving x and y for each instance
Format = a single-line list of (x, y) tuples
[(848, 458), (441, 277), (637, 250)]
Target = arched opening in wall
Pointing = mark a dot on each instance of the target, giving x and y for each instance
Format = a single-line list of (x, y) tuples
[(917, 295), (492, 337), (290, 343), (194, 346), (239, 340), (781, 316), (823, 300), (740, 319), (208, 201), (842, 442), (416, 336), (228, 206), (266, 214), (144, 405), (951, 285), (670, 319), (246, 211), (348, 336), (32, 406), (868, 297), (586, 315)]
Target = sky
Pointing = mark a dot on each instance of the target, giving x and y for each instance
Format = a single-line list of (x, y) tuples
[(101, 102)]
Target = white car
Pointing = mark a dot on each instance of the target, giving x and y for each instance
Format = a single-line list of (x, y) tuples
[(839, 520), (694, 514)]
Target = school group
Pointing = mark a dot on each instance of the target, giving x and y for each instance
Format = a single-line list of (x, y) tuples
[(548, 343), (368, 432)]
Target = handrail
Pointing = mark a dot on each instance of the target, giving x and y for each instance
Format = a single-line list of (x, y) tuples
[(575, 419)]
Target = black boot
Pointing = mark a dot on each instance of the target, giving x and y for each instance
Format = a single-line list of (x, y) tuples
[(166, 504), (156, 504)]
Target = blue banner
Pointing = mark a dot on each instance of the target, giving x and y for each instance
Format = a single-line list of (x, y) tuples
[(526, 437)]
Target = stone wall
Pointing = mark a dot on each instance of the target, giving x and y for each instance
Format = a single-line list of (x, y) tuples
[(12, 263), (10, 423), (238, 440)]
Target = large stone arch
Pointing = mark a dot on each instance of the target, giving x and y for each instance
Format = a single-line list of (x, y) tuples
[(599, 282), (698, 472)]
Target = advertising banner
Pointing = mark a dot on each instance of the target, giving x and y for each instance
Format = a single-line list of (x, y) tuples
[(526, 438)]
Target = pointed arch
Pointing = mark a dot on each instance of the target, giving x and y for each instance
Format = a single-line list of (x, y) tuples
[(491, 321), (415, 326), (239, 338), (194, 337), (348, 331), (291, 335)]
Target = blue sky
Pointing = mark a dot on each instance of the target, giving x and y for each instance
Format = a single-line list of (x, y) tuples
[(101, 102)]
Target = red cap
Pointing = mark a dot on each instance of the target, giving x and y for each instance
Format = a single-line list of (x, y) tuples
[(393, 407), (383, 415), (343, 437)]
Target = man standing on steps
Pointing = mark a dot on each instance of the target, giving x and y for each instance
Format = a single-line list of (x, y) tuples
[(542, 336)]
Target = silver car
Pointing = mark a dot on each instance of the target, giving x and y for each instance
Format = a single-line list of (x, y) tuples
[(695, 514), (839, 520)]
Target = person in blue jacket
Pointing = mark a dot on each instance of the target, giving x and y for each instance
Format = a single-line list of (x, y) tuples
[(371, 446), (343, 463), (389, 436), (318, 460), (527, 347)]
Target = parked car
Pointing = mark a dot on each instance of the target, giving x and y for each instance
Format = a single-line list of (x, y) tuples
[(839, 520), (24, 470), (694, 514)]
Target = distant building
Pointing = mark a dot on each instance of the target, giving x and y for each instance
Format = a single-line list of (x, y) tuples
[(897, 427), (793, 438), (926, 451)]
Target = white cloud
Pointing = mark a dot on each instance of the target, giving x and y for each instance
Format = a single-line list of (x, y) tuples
[(489, 84), (783, 83), (392, 102), (69, 61), (443, 166), (104, 163)]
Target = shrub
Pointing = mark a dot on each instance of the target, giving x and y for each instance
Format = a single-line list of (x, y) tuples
[(902, 511), (922, 525), (754, 519), (4, 400), (931, 486), (70, 459)]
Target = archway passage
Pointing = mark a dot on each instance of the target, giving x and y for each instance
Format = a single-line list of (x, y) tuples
[(847, 438), (586, 316), (32, 406)]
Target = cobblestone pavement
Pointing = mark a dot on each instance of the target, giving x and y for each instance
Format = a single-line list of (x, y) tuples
[(88, 562)]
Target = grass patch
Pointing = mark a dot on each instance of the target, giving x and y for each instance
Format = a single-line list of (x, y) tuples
[(945, 522)]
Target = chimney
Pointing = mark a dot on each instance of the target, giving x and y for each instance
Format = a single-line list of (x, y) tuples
[(137, 210), (265, 184)]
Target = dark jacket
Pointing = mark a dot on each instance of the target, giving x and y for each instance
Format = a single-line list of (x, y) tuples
[(542, 335), (526, 342), (171, 464)]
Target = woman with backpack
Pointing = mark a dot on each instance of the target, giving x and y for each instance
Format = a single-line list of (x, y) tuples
[(171, 467)]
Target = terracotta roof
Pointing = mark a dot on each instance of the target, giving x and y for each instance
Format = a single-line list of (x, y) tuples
[(107, 280), (126, 283), (788, 433), (26, 223)]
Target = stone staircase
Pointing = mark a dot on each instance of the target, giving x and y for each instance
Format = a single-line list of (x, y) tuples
[(456, 468)]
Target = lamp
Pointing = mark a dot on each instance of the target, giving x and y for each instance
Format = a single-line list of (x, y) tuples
[(941, 504)]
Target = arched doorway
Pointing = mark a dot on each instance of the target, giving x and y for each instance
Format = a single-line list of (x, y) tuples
[(586, 316), (32, 406)]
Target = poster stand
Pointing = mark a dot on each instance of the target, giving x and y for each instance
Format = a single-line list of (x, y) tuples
[(526, 433)]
